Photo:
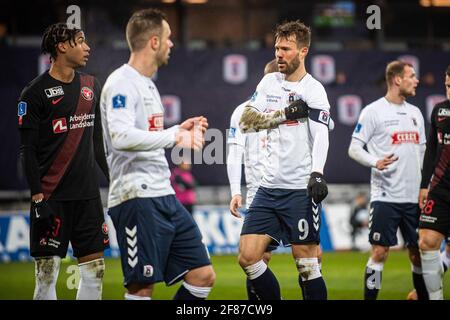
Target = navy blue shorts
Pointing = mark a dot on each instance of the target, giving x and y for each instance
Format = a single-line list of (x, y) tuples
[(287, 216), (385, 219), (158, 240)]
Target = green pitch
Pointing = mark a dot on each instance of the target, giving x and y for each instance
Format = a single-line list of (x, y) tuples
[(343, 272)]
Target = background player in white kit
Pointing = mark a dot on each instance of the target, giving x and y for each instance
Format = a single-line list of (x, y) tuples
[(394, 133), (158, 239), (286, 207)]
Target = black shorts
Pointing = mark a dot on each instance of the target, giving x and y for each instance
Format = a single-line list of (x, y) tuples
[(82, 222), (387, 217), (436, 214), (158, 240)]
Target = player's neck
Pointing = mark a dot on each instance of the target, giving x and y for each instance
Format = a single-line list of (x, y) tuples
[(297, 75), (394, 97), (61, 72), (143, 65)]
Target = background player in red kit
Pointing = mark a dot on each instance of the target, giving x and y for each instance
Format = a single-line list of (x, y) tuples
[(61, 140)]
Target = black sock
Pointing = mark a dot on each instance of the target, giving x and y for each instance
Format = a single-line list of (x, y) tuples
[(419, 285), (372, 284), (314, 289), (251, 291), (185, 294), (300, 282), (266, 286)]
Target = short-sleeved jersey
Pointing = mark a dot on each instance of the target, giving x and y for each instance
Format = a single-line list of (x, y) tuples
[(289, 147), (48, 107), (255, 146), (437, 160), (130, 100), (386, 129)]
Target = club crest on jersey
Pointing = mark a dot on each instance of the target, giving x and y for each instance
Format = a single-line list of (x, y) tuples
[(54, 92), (156, 122), (87, 93), (148, 271), (293, 96), (118, 101), (59, 125), (104, 228), (405, 137)]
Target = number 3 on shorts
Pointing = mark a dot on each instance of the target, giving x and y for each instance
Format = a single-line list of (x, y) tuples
[(303, 227)]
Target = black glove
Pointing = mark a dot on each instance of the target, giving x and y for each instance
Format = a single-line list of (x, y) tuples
[(296, 110), (317, 187), (43, 217)]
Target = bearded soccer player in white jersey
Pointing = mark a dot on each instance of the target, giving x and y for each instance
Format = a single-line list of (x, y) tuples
[(286, 207), (394, 133), (158, 238)]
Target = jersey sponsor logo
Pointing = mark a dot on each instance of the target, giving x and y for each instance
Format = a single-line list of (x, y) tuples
[(272, 98), (443, 112), (54, 92), (156, 122), (443, 138), (22, 108), (59, 125), (323, 68), (87, 93), (232, 133), (55, 101), (358, 128), (405, 137), (431, 101), (349, 108), (118, 101), (235, 68)]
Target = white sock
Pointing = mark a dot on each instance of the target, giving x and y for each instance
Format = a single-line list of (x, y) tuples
[(255, 270), (199, 292), (46, 274), (308, 268), (445, 257), (432, 273), (377, 266), (90, 287), (129, 296)]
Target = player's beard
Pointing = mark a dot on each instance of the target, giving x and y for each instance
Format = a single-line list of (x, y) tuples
[(291, 67), (406, 94), (162, 58)]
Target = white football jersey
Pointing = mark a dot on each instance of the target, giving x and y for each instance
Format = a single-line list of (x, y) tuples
[(289, 146), (388, 128), (134, 136), (255, 146)]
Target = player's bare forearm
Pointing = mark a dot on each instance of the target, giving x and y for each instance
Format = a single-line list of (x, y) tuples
[(253, 120)]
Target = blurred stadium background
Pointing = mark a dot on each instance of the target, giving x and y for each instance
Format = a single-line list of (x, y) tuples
[(221, 47)]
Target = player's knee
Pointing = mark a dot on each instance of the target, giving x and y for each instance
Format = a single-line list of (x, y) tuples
[(202, 277), (428, 243), (267, 256), (247, 259), (379, 254)]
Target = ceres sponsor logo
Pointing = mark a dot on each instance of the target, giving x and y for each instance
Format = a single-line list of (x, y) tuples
[(59, 125), (156, 122), (405, 137)]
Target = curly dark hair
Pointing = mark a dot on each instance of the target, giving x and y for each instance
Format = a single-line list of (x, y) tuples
[(54, 34), (296, 28)]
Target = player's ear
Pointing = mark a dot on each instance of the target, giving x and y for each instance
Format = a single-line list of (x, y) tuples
[(61, 47), (304, 51), (154, 42)]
